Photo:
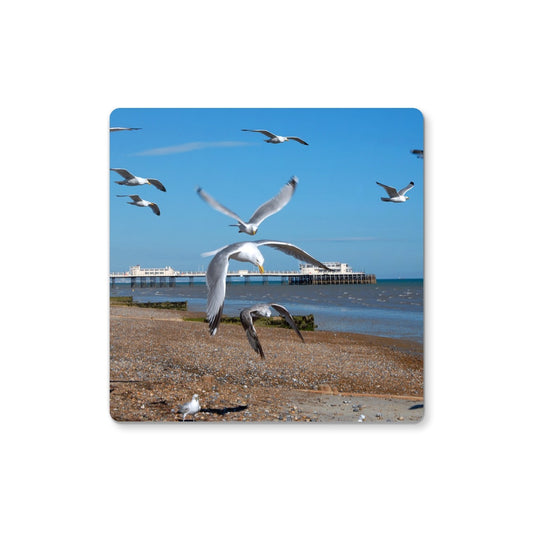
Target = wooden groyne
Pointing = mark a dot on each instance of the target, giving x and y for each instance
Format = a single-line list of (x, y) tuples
[(128, 300)]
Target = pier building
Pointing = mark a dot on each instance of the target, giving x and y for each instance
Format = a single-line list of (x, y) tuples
[(341, 274)]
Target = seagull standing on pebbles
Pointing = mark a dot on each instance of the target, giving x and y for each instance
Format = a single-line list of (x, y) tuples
[(139, 202), (247, 251), (268, 208), (189, 408), (130, 180), (394, 195), (277, 139), (255, 311)]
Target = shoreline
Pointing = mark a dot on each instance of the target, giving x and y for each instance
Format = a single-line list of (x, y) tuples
[(158, 360)]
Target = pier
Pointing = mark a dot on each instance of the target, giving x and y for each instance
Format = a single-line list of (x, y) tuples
[(306, 275)]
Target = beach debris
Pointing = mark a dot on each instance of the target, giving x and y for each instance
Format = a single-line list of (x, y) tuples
[(190, 408), (249, 314), (277, 139), (264, 211), (361, 418), (394, 195)]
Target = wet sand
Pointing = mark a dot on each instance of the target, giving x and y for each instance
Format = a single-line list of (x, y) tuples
[(158, 361)]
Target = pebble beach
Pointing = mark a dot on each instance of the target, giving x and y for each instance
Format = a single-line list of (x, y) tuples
[(158, 360)]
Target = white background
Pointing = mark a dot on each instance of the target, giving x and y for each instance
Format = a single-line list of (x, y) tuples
[(66, 465)]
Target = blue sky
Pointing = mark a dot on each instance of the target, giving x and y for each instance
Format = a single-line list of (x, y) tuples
[(335, 214)]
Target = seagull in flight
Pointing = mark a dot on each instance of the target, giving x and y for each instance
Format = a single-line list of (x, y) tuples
[(139, 202), (419, 153), (255, 311), (124, 129), (394, 195), (131, 180), (277, 139), (247, 251), (189, 408), (268, 208)]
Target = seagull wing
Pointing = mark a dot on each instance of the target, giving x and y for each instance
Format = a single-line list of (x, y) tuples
[(216, 284), (401, 192), (124, 173), (157, 184), (299, 140), (184, 408), (134, 197), (215, 205), (154, 208), (391, 191), (288, 317), (275, 204), (291, 249), (264, 132), (248, 325)]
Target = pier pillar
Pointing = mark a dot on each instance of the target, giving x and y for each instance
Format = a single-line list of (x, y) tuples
[(191, 281)]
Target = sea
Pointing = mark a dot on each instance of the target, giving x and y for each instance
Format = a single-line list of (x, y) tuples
[(389, 308)]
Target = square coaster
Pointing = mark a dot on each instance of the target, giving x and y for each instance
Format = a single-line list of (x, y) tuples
[(266, 265)]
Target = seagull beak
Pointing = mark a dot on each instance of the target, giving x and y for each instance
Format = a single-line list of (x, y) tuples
[(261, 269)]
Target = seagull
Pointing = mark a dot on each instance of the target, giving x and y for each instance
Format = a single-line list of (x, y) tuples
[(139, 202), (394, 195), (131, 180), (124, 129), (255, 311), (268, 208), (246, 252), (419, 153), (189, 408), (277, 139)]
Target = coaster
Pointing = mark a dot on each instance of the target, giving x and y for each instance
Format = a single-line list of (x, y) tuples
[(266, 265)]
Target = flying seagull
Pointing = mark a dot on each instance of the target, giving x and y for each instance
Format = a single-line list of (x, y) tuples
[(419, 153), (131, 180), (189, 408), (277, 139), (394, 195), (139, 202), (268, 208), (255, 311), (246, 252), (124, 129)]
